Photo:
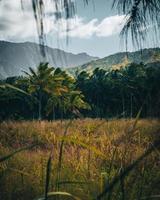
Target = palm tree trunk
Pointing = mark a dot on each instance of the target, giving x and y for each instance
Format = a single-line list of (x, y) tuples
[(131, 111), (53, 110), (40, 107), (123, 105), (61, 115)]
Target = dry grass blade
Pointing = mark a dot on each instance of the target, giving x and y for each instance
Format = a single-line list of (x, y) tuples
[(65, 194), (61, 153), (48, 170), (128, 170), (151, 197), (82, 144), (122, 185), (19, 172), (72, 183), (137, 118), (4, 158), (112, 160)]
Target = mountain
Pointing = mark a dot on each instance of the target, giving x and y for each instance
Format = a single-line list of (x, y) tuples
[(149, 57), (18, 57)]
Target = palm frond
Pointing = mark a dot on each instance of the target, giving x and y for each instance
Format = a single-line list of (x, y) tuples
[(9, 86), (32, 72), (140, 16)]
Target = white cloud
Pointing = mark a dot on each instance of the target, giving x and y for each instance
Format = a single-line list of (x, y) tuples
[(110, 26), (18, 24), (76, 27), (80, 29)]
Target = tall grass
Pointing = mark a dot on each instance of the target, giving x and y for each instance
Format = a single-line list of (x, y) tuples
[(96, 159)]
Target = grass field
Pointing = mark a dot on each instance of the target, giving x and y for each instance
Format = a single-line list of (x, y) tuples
[(81, 157)]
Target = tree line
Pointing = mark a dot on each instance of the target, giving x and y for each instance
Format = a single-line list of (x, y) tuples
[(49, 93)]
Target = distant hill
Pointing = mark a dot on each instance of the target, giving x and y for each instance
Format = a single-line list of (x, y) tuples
[(15, 57), (147, 56)]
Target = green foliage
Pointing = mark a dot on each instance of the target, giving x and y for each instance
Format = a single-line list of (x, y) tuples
[(49, 92), (121, 92)]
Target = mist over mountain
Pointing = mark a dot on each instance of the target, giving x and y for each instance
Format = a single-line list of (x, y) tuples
[(150, 57), (18, 57)]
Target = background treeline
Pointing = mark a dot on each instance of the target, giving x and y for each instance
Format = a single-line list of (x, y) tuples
[(53, 94)]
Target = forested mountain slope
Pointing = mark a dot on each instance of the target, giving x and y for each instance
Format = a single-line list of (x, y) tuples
[(150, 57), (16, 57)]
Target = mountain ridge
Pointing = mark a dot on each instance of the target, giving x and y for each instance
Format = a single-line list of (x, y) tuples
[(18, 57), (115, 61)]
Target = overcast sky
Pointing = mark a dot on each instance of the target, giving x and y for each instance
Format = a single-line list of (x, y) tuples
[(94, 29)]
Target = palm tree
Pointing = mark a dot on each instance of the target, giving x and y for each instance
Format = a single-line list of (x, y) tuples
[(76, 102), (68, 98), (64, 82), (41, 82)]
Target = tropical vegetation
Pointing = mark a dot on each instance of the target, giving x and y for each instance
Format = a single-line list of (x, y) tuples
[(55, 94)]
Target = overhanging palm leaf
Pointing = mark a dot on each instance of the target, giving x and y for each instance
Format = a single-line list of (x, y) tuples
[(141, 15)]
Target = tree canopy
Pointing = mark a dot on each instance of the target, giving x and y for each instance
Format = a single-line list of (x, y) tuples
[(54, 94)]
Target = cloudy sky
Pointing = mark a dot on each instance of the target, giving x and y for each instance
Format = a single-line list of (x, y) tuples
[(94, 29)]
